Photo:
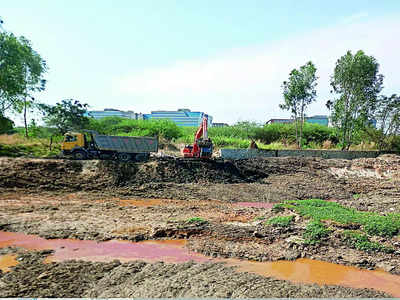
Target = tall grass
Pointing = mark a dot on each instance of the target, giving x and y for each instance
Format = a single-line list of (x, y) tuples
[(17, 145)]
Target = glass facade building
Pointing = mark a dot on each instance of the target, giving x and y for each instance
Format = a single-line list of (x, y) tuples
[(181, 117), (110, 112)]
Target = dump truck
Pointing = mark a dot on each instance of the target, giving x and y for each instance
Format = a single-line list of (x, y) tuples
[(91, 145)]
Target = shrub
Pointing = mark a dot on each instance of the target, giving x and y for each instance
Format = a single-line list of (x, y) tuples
[(6, 125)]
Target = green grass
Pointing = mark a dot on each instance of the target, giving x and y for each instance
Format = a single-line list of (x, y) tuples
[(280, 221), (356, 196), (16, 145), (360, 241), (315, 231), (196, 220), (371, 223)]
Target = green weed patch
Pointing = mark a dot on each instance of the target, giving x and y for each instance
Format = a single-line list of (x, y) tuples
[(361, 241), (319, 210), (315, 231), (281, 221), (196, 220)]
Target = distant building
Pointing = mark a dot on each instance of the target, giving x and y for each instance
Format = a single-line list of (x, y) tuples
[(219, 124), (279, 121), (182, 117), (111, 112), (317, 119)]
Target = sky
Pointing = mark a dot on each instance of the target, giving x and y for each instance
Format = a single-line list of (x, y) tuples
[(227, 58)]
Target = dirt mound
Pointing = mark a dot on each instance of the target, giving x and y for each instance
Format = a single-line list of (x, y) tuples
[(92, 175)]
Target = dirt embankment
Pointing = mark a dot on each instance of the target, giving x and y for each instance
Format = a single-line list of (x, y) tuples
[(261, 179)]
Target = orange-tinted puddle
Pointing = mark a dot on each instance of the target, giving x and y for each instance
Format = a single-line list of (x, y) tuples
[(173, 251), (7, 261), (141, 203), (255, 204), (323, 273), (66, 249)]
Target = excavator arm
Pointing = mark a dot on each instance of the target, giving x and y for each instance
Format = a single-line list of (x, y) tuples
[(202, 146)]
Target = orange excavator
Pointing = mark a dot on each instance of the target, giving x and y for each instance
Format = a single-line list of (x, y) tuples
[(202, 146)]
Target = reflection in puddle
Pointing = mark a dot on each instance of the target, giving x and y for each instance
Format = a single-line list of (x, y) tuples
[(323, 273), (7, 261), (255, 204), (66, 249), (174, 251)]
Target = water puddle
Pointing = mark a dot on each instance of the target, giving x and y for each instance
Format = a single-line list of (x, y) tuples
[(172, 251), (7, 261), (141, 203), (255, 204), (323, 273)]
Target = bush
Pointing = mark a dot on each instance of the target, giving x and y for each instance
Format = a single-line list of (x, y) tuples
[(312, 133), (121, 126), (6, 125)]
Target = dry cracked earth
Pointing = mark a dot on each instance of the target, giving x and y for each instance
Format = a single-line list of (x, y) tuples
[(201, 202)]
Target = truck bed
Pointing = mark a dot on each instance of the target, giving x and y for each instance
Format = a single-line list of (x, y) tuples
[(127, 144)]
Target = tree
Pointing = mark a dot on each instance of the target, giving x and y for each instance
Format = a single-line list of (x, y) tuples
[(387, 118), (299, 92), (67, 115), (357, 84), (21, 74)]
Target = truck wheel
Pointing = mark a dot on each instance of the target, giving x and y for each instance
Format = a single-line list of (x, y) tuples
[(124, 157), (80, 155), (142, 157)]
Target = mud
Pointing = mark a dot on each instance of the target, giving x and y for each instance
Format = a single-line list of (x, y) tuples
[(219, 208), (7, 261), (139, 279)]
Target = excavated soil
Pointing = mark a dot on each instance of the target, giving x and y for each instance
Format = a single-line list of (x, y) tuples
[(139, 279), (175, 198)]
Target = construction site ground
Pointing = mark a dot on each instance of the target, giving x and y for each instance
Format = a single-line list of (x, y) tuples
[(219, 207)]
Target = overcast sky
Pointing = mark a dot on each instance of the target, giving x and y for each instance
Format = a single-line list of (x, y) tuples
[(226, 58)]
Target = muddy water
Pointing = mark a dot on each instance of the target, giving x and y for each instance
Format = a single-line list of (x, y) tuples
[(174, 251), (255, 204), (323, 273), (66, 249), (7, 261), (141, 203)]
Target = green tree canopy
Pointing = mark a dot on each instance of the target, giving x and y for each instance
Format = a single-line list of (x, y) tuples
[(299, 92), (66, 115), (21, 72), (356, 83)]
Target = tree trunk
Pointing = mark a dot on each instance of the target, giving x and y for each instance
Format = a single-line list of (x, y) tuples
[(51, 142), (25, 123), (297, 135)]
